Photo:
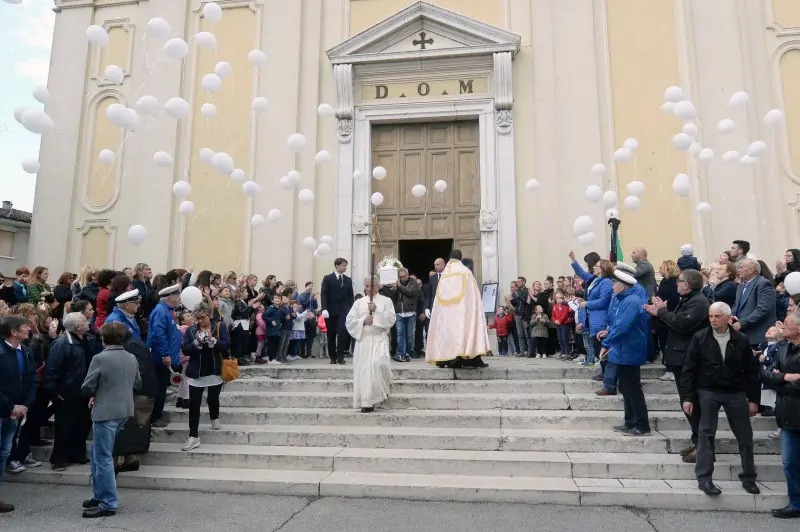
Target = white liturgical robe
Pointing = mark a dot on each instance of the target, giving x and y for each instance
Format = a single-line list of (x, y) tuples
[(372, 371)]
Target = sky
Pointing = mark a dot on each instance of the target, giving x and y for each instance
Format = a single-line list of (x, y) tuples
[(26, 36)]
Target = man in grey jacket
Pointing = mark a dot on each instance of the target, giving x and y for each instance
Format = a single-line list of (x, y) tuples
[(112, 378), (645, 274), (754, 308), (405, 293)]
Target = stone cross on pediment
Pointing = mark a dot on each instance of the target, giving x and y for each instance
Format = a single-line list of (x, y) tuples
[(422, 41)]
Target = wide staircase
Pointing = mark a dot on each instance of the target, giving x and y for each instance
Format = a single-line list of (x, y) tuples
[(522, 430)]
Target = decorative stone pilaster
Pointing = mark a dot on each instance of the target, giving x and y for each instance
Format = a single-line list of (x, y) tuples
[(488, 220), (343, 79), (503, 93), (361, 224)]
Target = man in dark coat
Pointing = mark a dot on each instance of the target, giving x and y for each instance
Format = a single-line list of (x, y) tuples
[(689, 317), (337, 297)]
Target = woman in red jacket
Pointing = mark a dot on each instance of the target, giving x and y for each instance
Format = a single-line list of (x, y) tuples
[(563, 317), (500, 324), (101, 308)]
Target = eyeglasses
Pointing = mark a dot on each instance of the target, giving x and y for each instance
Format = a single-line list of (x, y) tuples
[(681, 280)]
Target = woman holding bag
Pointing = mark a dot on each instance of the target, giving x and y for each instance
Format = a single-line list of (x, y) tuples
[(206, 343)]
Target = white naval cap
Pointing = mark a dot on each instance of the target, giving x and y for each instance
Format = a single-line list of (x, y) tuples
[(168, 291), (624, 277), (130, 295), (627, 268)]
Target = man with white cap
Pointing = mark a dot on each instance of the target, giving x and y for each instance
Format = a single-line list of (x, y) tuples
[(687, 260), (626, 348), (164, 341), (125, 312)]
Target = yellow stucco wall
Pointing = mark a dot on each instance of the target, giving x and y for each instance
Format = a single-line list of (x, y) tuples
[(94, 248), (102, 178), (116, 53), (215, 233), (786, 12), (643, 53), (365, 13), (790, 81)]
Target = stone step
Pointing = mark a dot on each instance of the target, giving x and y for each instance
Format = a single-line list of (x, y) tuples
[(650, 494), (578, 386), (501, 439), (453, 401), (414, 461), (513, 419)]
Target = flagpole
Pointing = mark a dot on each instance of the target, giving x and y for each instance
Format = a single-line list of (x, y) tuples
[(614, 255)]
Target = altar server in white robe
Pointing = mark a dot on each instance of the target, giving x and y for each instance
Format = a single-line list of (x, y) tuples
[(369, 322)]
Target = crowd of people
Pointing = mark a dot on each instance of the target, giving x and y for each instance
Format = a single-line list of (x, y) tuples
[(724, 332)]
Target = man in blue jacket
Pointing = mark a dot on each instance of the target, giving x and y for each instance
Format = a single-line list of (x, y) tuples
[(626, 347), (125, 312), (17, 385), (164, 341)]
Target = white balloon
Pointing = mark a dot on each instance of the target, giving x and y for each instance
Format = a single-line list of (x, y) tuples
[(681, 185), (296, 142), (206, 155), (285, 183), (357, 175), (212, 12), (489, 252), (612, 213), (323, 157), (31, 166), (326, 240), (379, 172), (703, 207), (118, 114), (206, 39), (682, 141), (598, 169), (532, 185), (593, 193), (223, 163), (41, 93), (159, 28), (132, 120), (673, 94), (274, 215), (238, 175), (114, 74), (208, 110), (706, 154), (211, 83), (222, 69), (748, 161), (582, 225), (181, 189), (137, 234), (323, 248), (739, 99), (176, 48), (177, 108), (325, 110), (257, 58), (191, 297), (726, 125), (163, 159), (668, 108), (309, 243), (306, 196), (147, 105), (792, 283), (623, 155), (757, 148), (695, 148), (440, 185), (685, 110), (774, 118), (293, 177), (14, 2), (37, 121), (18, 113), (418, 191), (260, 104), (632, 203), (586, 239), (186, 208), (636, 188), (610, 198), (97, 35), (377, 199), (257, 221), (731, 156), (251, 189), (631, 144), (690, 129), (106, 156)]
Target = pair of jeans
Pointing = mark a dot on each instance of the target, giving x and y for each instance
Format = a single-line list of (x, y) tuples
[(790, 455), (31, 431), (195, 399), (588, 344), (8, 428), (73, 421), (273, 343), (405, 335), (630, 384), (610, 377), (162, 380), (738, 413), (502, 345), (283, 347), (104, 483), (563, 339), (523, 334)]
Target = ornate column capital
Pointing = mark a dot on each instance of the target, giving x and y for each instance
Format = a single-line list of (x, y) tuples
[(343, 79)]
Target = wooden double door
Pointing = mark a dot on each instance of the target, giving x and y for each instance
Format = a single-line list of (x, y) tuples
[(423, 154)]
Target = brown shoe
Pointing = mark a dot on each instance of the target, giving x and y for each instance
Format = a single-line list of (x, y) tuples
[(690, 458), (689, 450), (604, 392), (5, 508)]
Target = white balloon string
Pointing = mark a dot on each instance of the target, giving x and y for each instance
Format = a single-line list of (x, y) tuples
[(116, 154), (148, 76), (211, 207)]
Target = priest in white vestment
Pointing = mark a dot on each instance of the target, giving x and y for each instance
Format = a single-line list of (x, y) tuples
[(370, 322), (457, 334)]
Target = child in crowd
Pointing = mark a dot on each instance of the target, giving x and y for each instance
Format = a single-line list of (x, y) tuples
[(500, 324), (769, 349), (298, 337), (186, 320), (261, 333), (563, 317), (272, 320), (687, 260), (322, 336), (540, 325), (287, 323)]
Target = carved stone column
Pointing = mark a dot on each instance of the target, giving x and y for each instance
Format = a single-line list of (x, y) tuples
[(343, 79), (503, 93), (343, 210)]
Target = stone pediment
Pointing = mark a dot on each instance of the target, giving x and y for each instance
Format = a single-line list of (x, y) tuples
[(423, 30)]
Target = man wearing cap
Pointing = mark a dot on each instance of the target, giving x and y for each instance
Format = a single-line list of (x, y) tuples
[(164, 341), (125, 312), (625, 346)]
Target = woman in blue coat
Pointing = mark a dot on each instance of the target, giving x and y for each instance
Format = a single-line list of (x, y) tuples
[(599, 291)]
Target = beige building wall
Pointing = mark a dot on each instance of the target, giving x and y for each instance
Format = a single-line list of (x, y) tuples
[(588, 74)]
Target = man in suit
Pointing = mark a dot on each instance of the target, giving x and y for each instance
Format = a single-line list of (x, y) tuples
[(433, 283), (754, 309), (337, 298)]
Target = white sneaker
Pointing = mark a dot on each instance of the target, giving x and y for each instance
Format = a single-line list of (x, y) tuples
[(667, 376), (275, 362), (216, 425), (544, 356), (31, 462), (191, 443)]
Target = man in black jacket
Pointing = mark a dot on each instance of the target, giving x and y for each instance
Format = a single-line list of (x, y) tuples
[(17, 384), (689, 317), (337, 297), (405, 293), (721, 370), (433, 282)]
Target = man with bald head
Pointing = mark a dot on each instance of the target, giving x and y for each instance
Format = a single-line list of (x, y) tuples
[(754, 309), (433, 281), (645, 274)]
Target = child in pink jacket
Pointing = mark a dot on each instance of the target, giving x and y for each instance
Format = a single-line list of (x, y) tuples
[(261, 334)]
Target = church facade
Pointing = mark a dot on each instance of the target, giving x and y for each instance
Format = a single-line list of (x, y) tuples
[(483, 95)]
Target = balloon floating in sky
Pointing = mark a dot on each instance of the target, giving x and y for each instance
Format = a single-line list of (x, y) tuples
[(106, 156), (726, 125), (706, 154), (37, 121), (238, 176), (326, 239), (159, 28), (623, 155), (582, 225), (632, 203), (673, 94), (322, 157), (206, 155), (757, 148), (610, 198), (206, 39), (323, 248), (147, 105), (181, 189), (211, 83), (208, 110), (306, 196), (212, 12), (586, 239), (440, 185), (379, 172), (731, 156), (636, 188), (739, 99), (296, 142), (186, 208), (774, 118), (792, 283), (274, 215), (668, 108), (223, 163), (532, 185), (631, 144), (593, 193), (598, 169), (293, 178), (163, 159), (251, 189), (41, 93), (222, 69), (260, 104), (418, 191), (137, 234), (681, 185), (685, 110), (176, 48), (703, 207), (114, 74), (97, 35), (309, 243), (682, 141), (177, 108), (325, 110), (257, 58), (31, 166), (257, 221), (191, 297), (377, 199)]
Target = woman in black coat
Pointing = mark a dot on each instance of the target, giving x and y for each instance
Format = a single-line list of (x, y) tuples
[(792, 262), (725, 289), (668, 292)]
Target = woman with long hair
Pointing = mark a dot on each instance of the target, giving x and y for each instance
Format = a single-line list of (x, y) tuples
[(38, 288), (104, 279), (62, 292), (84, 277), (789, 264), (725, 289)]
